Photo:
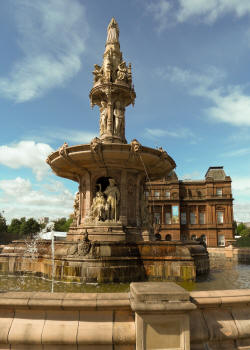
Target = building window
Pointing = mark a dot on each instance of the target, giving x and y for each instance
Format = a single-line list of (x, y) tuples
[(183, 218), (157, 194), (221, 241), (175, 214), (220, 217), (219, 192), (168, 237), (167, 193), (146, 194), (157, 218), (202, 218), (168, 218), (193, 237), (192, 218)]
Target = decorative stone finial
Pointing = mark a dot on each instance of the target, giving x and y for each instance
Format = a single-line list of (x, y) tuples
[(112, 89)]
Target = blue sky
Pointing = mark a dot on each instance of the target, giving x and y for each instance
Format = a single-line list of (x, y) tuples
[(190, 62)]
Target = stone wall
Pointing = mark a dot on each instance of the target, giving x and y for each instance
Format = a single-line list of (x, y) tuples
[(241, 255), (95, 321), (45, 321), (221, 320)]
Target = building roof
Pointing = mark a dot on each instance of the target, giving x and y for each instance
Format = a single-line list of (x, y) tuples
[(216, 173)]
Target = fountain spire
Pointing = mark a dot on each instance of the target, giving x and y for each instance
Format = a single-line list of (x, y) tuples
[(112, 88)]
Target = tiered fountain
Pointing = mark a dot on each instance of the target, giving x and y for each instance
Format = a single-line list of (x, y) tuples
[(112, 238)]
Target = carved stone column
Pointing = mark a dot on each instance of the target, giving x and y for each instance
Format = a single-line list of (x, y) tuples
[(124, 200), (88, 194), (110, 125), (138, 194)]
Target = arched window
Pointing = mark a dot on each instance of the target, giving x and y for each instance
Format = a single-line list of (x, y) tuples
[(168, 237), (158, 237), (193, 237)]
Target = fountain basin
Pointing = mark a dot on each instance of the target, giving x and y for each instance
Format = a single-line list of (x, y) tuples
[(109, 261), (83, 158)]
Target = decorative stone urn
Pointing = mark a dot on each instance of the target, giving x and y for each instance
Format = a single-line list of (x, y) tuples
[(111, 173)]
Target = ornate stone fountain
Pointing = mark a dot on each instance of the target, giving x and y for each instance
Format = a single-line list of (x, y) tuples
[(111, 173), (111, 238)]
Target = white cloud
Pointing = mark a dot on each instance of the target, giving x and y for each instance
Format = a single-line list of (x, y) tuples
[(51, 36), (230, 104), (18, 199), (26, 154), (241, 186), (206, 11), (195, 175), (236, 153), (66, 135), (242, 212), (210, 11), (159, 10), (178, 133), (15, 187), (241, 194)]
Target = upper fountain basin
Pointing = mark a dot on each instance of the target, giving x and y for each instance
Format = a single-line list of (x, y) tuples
[(70, 162)]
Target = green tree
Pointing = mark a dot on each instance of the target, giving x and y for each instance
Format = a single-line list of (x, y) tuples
[(62, 224), (3, 230), (29, 227), (3, 225), (245, 232), (14, 227), (240, 228)]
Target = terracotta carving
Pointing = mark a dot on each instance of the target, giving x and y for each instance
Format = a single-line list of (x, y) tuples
[(76, 219), (122, 72), (119, 118), (135, 146), (63, 149), (113, 198), (98, 74), (103, 117), (113, 32)]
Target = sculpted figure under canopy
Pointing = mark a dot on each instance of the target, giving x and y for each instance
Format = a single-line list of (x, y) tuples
[(103, 117), (119, 118), (113, 198), (113, 32)]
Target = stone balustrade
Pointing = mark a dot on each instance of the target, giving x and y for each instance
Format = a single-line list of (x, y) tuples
[(208, 320)]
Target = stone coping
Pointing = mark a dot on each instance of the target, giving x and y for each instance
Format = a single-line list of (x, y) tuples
[(220, 298), (116, 243), (64, 301), (95, 301)]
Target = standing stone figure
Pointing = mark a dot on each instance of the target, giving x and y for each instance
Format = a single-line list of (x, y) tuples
[(113, 32), (113, 198), (119, 118), (77, 209), (103, 117)]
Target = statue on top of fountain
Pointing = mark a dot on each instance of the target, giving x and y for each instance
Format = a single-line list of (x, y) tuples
[(112, 89), (113, 32)]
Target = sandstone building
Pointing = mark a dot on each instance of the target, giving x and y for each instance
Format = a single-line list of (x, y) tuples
[(190, 209)]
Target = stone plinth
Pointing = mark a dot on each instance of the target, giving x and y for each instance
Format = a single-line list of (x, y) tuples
[(161, 316)]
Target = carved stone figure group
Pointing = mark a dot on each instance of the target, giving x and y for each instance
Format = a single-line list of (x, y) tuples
[(105, 205), (118, 118)]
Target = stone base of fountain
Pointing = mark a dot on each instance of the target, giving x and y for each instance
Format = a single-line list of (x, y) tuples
[(109, 232), (103, 262)]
